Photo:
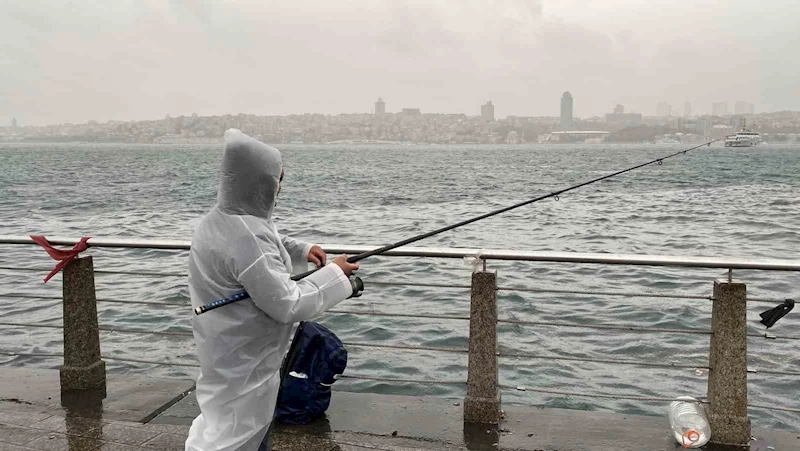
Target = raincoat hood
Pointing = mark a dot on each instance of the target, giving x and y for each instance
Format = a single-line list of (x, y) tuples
[(249, 177)]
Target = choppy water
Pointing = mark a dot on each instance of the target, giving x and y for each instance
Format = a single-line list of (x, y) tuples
[(712, 202)]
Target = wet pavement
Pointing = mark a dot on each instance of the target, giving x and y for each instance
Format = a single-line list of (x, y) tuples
[(126, 398), (136, 413), (30, 428), (26, 428)]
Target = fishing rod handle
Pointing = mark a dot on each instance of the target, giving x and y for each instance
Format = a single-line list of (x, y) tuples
[(355, 282), (351, 260), (222, 302), (244, 295), (305, 274)]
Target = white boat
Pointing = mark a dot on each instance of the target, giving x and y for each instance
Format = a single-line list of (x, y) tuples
[(743, 138)]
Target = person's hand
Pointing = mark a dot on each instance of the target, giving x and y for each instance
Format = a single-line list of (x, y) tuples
[(347, 268), (317, 256)]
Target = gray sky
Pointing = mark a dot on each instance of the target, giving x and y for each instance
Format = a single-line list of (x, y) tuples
[(141, 59)]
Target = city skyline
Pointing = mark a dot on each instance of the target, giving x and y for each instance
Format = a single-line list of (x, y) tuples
[(75, 62), (411, 125), (487, 112)]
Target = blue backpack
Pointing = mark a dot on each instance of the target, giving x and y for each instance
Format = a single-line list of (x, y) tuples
[(315, 360)]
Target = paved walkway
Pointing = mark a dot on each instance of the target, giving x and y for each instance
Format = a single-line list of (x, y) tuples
[(23, 428), (139, 413), (33, 429)]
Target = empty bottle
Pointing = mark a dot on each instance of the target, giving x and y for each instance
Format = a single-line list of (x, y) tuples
[(689, 422)]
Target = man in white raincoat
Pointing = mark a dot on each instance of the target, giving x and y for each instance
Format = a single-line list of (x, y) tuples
[(241, 346)]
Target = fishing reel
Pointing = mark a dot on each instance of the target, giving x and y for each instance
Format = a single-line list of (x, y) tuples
[(358, 286)]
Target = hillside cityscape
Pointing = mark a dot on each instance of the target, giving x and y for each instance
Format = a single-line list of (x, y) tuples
[(410, 125)]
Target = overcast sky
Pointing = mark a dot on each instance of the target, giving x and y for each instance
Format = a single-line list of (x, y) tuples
[(70, 61)]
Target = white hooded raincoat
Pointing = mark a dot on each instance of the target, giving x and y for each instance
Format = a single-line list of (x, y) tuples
[(241, 346)]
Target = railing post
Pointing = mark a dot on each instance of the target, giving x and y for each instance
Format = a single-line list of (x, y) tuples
[(83, 369), (727, 379), (482, 404)]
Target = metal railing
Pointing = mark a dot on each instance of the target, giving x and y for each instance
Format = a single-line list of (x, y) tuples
[(727, 380), (484, 254)]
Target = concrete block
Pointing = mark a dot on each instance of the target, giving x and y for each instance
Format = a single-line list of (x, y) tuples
[(727, 379), (82, 368), (482, 403)]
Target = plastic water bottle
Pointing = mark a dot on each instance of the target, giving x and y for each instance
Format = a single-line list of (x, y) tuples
[(689, 422)]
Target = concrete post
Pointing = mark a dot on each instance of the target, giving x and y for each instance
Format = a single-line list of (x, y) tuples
[(82, 367), (83, 419), (727, 379), (482, 404)]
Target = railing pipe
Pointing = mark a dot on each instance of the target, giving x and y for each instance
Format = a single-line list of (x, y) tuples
[(487, 254)]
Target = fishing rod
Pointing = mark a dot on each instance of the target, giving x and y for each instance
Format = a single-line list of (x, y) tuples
[(358, 284)]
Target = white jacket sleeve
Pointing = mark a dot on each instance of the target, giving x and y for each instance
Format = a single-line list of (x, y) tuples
[(271, 288), (298, 250)]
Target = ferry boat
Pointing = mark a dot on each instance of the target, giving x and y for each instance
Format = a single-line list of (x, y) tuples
[(743, 138)]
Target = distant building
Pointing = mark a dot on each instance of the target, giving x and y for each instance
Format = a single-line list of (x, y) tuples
[(663, 109), (487, 111), (623, 120), (566, 111), (719, 108), (411, 111), (693, 125), (702, 125), (380, 106), (512, 137), (14, 123), (744, 108), (620, 119), (687, 109)]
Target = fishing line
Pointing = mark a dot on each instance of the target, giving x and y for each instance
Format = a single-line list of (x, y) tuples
[(358, 284)]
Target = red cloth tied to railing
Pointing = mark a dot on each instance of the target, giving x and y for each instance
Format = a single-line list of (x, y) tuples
[(64, 256)]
